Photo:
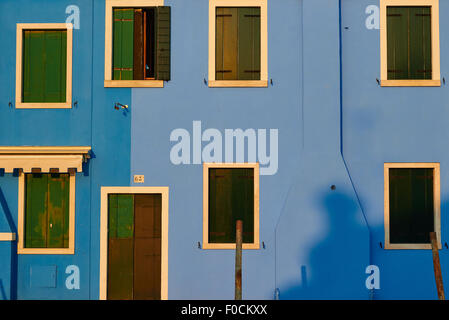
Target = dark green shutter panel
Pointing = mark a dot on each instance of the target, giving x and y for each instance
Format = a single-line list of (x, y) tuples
[(231, 198), (147, 247), (411, 205), (58, 211), (123, 44), (420, 43), (249, 44), (47, 211), (163, 35), (36, 213), (409, 43), (120, 246), (397, 43), (44, 66), (226, 44)]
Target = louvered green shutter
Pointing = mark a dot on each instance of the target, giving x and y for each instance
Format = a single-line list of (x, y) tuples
[(44, 66), (231, 198), (123, 44), (163, 35), (411, 205), (249, 44), (47, 211), (226, 44), (397, 42)]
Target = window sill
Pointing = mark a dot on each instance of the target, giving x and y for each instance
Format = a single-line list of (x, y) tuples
[(133, 83), (410, 83), (43, 105), (45, 251), (238, 83), (424, 246), (7, 236), (230, 246)]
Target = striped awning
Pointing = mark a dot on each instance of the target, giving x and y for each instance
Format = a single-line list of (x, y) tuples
[(43, 159)]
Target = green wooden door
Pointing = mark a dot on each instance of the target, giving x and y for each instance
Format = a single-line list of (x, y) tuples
[(134, 247)]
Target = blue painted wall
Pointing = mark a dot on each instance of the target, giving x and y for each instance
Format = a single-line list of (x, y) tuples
[(336, 127), (392, 125)]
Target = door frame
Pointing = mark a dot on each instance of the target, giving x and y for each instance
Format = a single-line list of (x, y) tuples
[(105, 191)]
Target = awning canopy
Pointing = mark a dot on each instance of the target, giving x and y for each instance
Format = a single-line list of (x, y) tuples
[(43, 159)]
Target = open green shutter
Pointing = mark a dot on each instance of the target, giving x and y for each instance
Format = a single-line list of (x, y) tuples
[(120, 246), (123, 51), (249, 43), (163, 35), (226, 44), (411, 205)]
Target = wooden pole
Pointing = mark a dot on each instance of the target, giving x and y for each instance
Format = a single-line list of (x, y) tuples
[(238, 260), (436, 266)]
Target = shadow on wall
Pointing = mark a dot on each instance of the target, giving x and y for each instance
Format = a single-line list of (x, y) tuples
[(336, 265), (13, 270)]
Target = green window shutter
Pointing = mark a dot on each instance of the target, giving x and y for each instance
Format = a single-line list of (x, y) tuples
[(36, 211), (47, 211), (411, 205), (120, 246), (123, 52), (397, 43), (58, 211), (55, 66), (226, 44), (163, 35), (44, 75), (249, 44), (231, 198), (409, 43), (420, 43)]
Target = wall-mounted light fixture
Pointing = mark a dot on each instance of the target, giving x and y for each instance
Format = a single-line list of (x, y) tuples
[(119, 106)]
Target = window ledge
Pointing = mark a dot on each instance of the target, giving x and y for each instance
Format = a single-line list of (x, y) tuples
[(423, 246), (410, 83), (230, 246), (238, 83), (43, 105), (7, 236), (133, 83), (45, 251)]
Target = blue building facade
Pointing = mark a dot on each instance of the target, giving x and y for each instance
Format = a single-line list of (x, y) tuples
[(324, 124)]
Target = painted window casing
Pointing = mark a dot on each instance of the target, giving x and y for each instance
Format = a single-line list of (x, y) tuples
[(21, 27), (436, 204), (213, 5), (108, 75), (435, 43), (206, 243)]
